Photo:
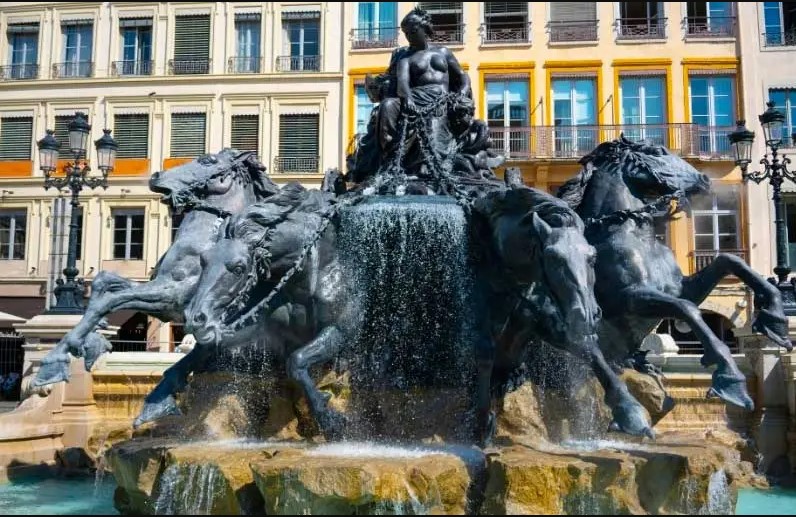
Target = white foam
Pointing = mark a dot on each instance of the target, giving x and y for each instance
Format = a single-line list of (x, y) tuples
[(593, 446), (369, 450)]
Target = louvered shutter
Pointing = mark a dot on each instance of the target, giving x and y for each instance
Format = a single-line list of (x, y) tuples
[(245, 132), (192, 38), (298, 136), (505, 8), (572, 11), (188, 134), (16, 137), (131, 132), (62, 136), (442, 7)]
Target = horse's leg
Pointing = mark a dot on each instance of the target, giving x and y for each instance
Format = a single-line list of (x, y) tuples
[(728, 381), (485, 418), (770, 320), (323, 348), (161, 402)]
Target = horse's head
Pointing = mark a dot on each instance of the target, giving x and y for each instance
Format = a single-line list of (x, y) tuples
[(212, 176)]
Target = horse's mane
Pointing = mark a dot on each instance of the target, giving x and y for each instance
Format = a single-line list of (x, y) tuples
[(550, 209)]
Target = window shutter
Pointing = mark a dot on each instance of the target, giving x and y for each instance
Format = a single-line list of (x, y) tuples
[(135, 22), (192, 38), (246, 133), (188, 134), (23, 28), (505, 8), (131, 132), (572, 11), (443, 7), (62, 136), (298, 136), (16, 136)]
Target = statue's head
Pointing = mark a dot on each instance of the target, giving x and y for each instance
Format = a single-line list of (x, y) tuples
[(417, 26)]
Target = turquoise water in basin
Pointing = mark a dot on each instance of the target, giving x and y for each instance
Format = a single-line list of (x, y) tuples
[(84, 496)]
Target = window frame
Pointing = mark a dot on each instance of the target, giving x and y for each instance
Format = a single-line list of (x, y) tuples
[(7, 247), (129, 213), (715, 213)]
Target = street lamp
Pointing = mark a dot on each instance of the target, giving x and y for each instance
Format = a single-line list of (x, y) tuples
[(69, 293), (775, 170)]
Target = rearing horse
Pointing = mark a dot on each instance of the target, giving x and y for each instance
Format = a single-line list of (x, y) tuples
[(638, 281)]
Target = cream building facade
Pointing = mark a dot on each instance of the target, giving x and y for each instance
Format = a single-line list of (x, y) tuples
[(172, 80)]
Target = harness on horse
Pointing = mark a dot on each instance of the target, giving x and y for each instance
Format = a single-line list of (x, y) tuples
[(661, 207)]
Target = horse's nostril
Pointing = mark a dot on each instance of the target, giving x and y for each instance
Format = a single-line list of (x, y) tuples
[(200, 318)]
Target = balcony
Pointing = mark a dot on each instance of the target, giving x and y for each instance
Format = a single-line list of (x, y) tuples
[(572, 31), (374, 37), (189, 66), (245, 65), (298, 64), (709, 27), (641, 28), (573, 142), (493, 33), (19, 72), (297, 164), (780, 39), (700, 259), (73, 69), (132, 68), (448, 34)]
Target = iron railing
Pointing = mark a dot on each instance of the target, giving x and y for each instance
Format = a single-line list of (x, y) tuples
[(245, 65), (780, 39), (570, 142), (572, 31), (73, 69), (297, 164), (701, 259), (122, 68), (298, 63), (189, 66), (505, 32), (374, 37), (709, 26), (641, 28), (19, 72), (450, 34)]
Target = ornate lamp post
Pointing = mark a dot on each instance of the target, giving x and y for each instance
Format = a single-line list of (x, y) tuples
[(69, 293), (775, 170)]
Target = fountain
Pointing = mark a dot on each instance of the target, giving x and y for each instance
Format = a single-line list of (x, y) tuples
[(419, 336)]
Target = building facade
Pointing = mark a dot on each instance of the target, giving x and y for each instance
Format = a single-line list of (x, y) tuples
[(173, 80)]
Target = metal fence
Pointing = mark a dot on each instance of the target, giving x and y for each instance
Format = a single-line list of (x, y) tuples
[(505, 32), (11, 361), (73, 69), (641, 28), (189, 66), (245, 65), (576, 30), (298, 63), (19, 72), (374, 37), (122, 68)]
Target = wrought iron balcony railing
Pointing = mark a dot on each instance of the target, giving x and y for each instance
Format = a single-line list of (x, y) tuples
[(573, 142), (450, 34), (572, 31), (245, 65), (189, 66), (505, 32), (125, 68), (297, 164), (298, 63), (73, 69), (641, 28), (19, 72), (709, 27), (780, 39), (374, 37), (703, 258)]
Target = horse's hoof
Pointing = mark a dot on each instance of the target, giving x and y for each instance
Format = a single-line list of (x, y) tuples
[(52, 370), (155, 410), (774, 326), (631, 418), (95, 345), (731, 390)]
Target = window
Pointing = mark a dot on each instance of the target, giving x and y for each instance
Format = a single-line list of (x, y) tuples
[(710, 19), (16, 137), (78, 38), (785, 101), (247, 32), (245, 133), (176, 221), (715, 217), (780, 23), (12, 234), (573, 21), (507, 107), (131, 132), (301, 33), (23, 45), (505, 22), (364, 107), (188, 134), (298, 143), (377, 25), (128, 234), (643, 104), (574, 104), (79, 234), (713, 110), (191, 45), (641, 20), (448, 21), (136, 46), (62, 136)]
